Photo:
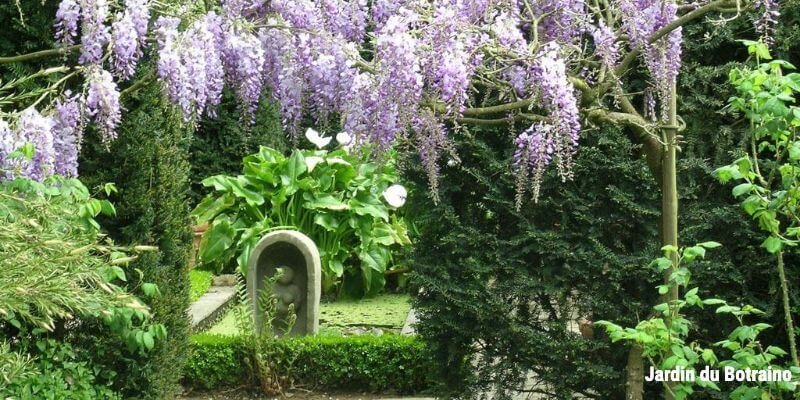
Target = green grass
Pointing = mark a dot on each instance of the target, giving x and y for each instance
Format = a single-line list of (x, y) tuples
[(200, 281), (383, 311)]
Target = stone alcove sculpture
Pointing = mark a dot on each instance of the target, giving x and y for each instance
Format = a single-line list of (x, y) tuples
[(300, 284)]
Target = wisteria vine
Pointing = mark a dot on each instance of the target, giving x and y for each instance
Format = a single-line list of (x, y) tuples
[(385, 71)]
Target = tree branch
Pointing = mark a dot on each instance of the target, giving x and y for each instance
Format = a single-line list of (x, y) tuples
[(39, 54), (667, 29), (651, 146)]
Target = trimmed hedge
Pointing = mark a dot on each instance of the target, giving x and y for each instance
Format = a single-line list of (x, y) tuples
[(374, 363)]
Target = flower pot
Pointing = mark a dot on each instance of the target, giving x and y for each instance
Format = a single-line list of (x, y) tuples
[(198, 231)]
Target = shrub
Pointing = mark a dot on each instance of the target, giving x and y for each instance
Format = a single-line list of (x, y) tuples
[(220, 143), (148, 162), (59, 274), (334, 197), (587, 239), (376, 363), (60, 372)]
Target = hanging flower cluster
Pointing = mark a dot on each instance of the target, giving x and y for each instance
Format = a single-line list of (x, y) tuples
[(55, 139), (662, 57), (387, 71), (767, 21)]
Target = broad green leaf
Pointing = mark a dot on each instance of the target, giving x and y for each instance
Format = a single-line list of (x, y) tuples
[(336, 267), (211, 206), (369, 205), (742, 188), (147, 340), (295, 166), (374, 257), (219, 182), (239, 190), (772, 244), (327, 202), (216, 240), (384, 234), (327, 221)]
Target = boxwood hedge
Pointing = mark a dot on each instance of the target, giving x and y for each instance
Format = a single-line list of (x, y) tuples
[(387, 363)]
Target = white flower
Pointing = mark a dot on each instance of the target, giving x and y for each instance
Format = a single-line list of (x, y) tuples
[(314, 137), (344, 138), (312, 162), (395, 195)]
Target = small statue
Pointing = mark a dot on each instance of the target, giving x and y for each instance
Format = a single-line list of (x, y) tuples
[(295, 257)]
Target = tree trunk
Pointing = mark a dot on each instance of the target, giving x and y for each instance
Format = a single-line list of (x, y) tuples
[(634, 374), (787, 311), (669, 201)]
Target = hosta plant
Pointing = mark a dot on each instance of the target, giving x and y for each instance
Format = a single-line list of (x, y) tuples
[(343, 202)]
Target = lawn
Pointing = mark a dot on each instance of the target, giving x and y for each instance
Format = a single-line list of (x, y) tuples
[(386, 311)]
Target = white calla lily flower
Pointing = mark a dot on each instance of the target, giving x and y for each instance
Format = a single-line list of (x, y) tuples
[(314, 137), (395, 195), (312, 162), (344, 138)]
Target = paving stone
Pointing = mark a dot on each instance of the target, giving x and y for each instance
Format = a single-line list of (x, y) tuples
[(211, 306)]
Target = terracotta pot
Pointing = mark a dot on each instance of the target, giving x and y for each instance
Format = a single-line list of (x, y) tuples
[(198, 231)]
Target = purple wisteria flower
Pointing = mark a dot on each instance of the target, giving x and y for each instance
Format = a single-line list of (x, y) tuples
[(768, 19), (8, 144), (126, 47), (102, 102), (245, 59), (606, 45), (534, 149), (67, 19), (129, 33), (662, 57), (37, 129), (67, 135), (558, 98), (95, 33)]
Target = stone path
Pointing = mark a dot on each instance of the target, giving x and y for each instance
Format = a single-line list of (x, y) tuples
[(411, 320), (211, 306)]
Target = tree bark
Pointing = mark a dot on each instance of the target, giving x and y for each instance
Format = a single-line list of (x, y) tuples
[(669, 201), (787, 311), (634, 374)]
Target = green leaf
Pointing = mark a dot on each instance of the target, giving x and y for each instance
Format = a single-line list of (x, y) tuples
[(375, 257), (239, 190), (295, 166), (369, 205), (210, 207), (219, 182), (336, 267), (772, 244), (384, 234), (327, 221), (742, 188), (119, 273), (147, 340), (150, 289), (709, 245), (216, 240), (327, 202), (107, 209)]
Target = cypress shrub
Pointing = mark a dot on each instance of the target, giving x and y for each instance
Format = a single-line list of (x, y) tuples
[(148, 163)]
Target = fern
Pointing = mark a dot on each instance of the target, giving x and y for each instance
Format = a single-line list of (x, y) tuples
[(264, 358)]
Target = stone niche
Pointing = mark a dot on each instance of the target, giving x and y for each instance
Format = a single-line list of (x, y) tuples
[(298, 257)]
